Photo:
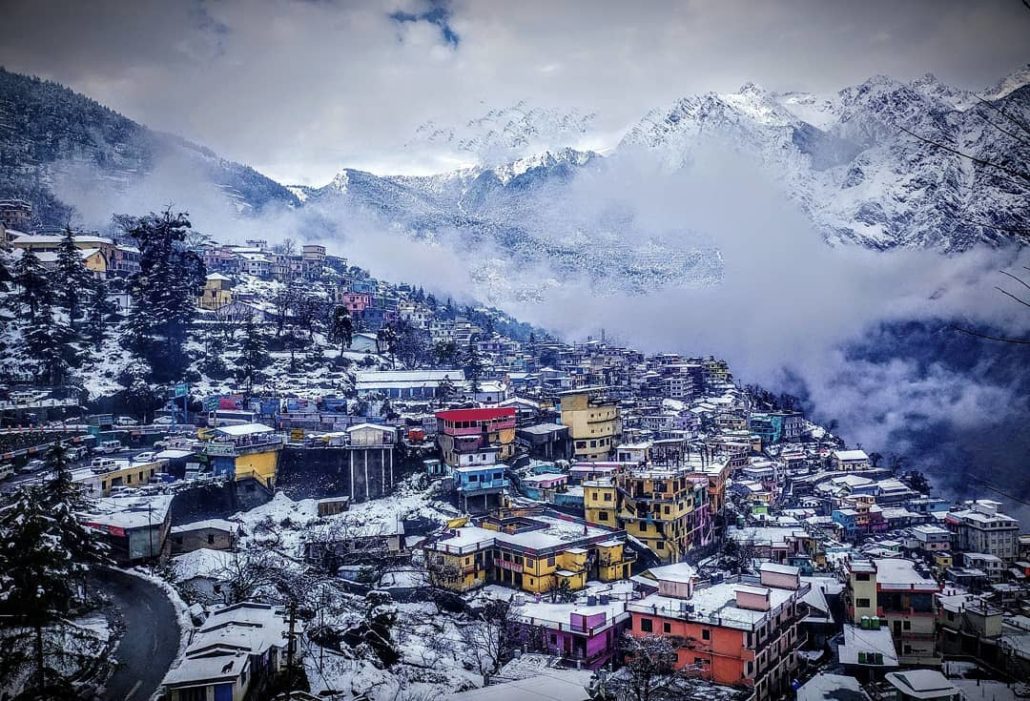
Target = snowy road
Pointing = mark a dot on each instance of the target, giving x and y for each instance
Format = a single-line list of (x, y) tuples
[(151, 638)]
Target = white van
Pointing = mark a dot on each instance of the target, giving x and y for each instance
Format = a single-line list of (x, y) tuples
[(108, 447), (103, 464)]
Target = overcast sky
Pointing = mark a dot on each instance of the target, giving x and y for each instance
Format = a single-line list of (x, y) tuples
[(301, 88)]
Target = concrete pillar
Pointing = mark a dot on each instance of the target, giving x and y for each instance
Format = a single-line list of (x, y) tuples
[(365, 453)]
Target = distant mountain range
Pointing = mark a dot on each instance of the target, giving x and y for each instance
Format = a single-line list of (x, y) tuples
[(845, 158)]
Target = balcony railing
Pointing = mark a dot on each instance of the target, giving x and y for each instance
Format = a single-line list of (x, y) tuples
[(473, 487)]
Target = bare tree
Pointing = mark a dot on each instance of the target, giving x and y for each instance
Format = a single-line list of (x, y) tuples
[(650, 674)]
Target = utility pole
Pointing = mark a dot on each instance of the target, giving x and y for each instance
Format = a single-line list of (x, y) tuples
[(291, 646)]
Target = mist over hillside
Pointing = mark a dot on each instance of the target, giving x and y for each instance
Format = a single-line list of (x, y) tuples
[(705, 231)]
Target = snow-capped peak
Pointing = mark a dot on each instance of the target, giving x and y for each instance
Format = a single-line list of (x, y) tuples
[(1009, 84), (547, 159)]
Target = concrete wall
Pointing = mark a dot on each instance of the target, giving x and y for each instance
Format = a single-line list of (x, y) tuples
[(316, 473)]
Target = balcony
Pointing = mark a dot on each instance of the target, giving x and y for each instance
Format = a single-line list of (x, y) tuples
[(483, 486)]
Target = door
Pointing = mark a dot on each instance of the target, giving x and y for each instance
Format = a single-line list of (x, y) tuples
[(223, 692)]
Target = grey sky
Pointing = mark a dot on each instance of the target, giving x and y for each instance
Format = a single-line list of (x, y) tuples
[(300, 89)]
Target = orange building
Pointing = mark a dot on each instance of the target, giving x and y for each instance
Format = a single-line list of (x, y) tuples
[(742, 631)]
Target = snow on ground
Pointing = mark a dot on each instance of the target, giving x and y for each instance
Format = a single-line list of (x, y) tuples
[(437, 659)]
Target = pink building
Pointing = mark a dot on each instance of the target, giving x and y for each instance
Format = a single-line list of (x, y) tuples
[(354, 301), (586, 632)]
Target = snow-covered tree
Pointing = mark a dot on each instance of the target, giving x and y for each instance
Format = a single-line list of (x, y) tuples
[(34, 285), (45, 553), (473, 366), (342, 328), (99, 312), (165, 290), (71, 279), (254, 357)]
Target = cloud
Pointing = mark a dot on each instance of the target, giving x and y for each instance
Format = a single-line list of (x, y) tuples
[(299, 90)]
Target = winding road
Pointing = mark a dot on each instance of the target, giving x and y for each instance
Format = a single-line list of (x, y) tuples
[(150, 641)]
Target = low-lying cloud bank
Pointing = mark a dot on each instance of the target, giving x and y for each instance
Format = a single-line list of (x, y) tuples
[(865, 337)]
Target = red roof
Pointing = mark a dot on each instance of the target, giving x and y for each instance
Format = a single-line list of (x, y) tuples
[(507, 412)]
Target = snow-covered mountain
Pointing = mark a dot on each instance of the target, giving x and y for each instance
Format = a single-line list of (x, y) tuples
[(849, 159)]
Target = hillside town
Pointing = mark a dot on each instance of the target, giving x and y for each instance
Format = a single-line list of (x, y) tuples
[(356, 490)]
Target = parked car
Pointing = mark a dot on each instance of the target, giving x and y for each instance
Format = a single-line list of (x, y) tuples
[(77, 452), (108, 447), (6, 470), (164, 421), (103, 464), (35, 465), (147, 456), (126, 421)]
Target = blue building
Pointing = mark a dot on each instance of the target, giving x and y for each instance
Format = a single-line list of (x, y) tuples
[(484, 485)]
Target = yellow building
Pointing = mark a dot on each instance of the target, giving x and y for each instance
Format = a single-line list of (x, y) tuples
[(101, 480), (666, 509), (537, 552), (595, 425), (217, 292), (245, 451), (601, 502)]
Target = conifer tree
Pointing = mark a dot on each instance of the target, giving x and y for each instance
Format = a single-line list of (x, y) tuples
[(170, 279), (342, 328), (254, 357), (98, 312), (473, 366), (72, 280), (35, 287)]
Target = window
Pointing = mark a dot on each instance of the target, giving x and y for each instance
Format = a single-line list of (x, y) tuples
[(666, 627), (862, 603), (907, 625), (862, 576), (706, 634), (607, 496), (550, 561), (603, 516), (210, 538), (646, 625)]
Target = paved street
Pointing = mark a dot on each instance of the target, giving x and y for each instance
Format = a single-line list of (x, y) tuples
[(150, 640)]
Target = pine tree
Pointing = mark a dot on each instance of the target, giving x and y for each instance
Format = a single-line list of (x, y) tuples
[(98, 312), (342, 328), (254, 356), (141, 397), (37, 573), (35, 286), (165, 289), (72, 280), (51, 345), (473, 366)]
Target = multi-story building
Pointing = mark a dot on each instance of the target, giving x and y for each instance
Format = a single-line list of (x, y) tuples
[(536, 551), (667, 509), (16, 215), (982, 528), (929, 538), (586, 632), (741, 631), (895, 591), (593, 420), (463, 431)]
